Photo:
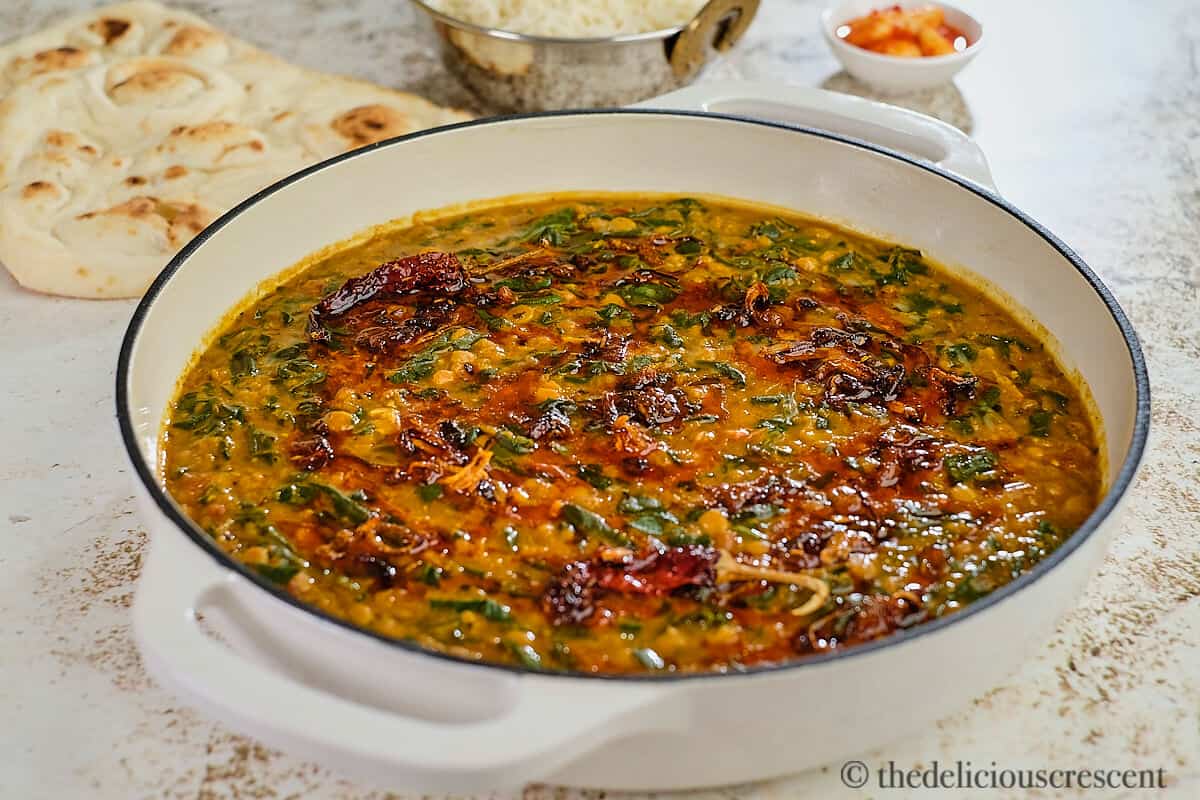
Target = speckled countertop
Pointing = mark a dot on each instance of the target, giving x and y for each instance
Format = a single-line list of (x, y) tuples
[(1090, 114)]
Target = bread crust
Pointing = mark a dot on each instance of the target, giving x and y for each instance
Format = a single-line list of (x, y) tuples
[(125, 130)]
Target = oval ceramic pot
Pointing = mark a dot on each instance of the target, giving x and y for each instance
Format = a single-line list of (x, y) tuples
[(391, 713)]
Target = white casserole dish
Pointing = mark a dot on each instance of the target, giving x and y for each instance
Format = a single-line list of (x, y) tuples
[(404, 718)]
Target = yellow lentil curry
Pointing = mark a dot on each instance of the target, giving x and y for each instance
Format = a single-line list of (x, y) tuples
[(627, 434)]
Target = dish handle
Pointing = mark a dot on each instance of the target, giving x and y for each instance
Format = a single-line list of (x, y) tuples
[(885, 125), (547, 722), (719, 25)]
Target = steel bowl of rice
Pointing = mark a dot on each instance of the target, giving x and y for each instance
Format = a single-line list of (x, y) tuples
[(537, 55)]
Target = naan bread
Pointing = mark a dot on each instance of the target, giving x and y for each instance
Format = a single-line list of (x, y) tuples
[(124, 131)]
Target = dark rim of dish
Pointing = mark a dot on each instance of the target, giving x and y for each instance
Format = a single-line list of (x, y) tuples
[(149, 478)]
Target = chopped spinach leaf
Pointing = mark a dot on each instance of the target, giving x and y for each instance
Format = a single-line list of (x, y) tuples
[(593, 474), (277, 573), (553, 229), (262, 446), (647, 295), (429, 492), (668, 336), (589, 523), (727, 371), (1039, 423), (961, 354), (964, 467), (488, 608)]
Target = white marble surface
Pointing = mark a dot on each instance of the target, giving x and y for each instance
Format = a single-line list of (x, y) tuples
[(1090, 114)]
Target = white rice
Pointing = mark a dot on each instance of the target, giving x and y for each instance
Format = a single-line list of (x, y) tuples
[(574, 19)]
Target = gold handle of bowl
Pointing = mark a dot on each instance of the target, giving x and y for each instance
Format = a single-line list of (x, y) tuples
[(720, 24)]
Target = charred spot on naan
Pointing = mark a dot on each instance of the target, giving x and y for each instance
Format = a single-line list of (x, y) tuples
[(111, 30), (42, 196), (159, 225), (153, 81), (57, 59), (194, 41), (368, 124), (70, 141), (213, 144), (37, 189)]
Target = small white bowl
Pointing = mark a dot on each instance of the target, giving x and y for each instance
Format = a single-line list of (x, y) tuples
[(893, 73)]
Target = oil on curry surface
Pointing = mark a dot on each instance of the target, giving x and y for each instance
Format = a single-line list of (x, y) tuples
[(631, 434)]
